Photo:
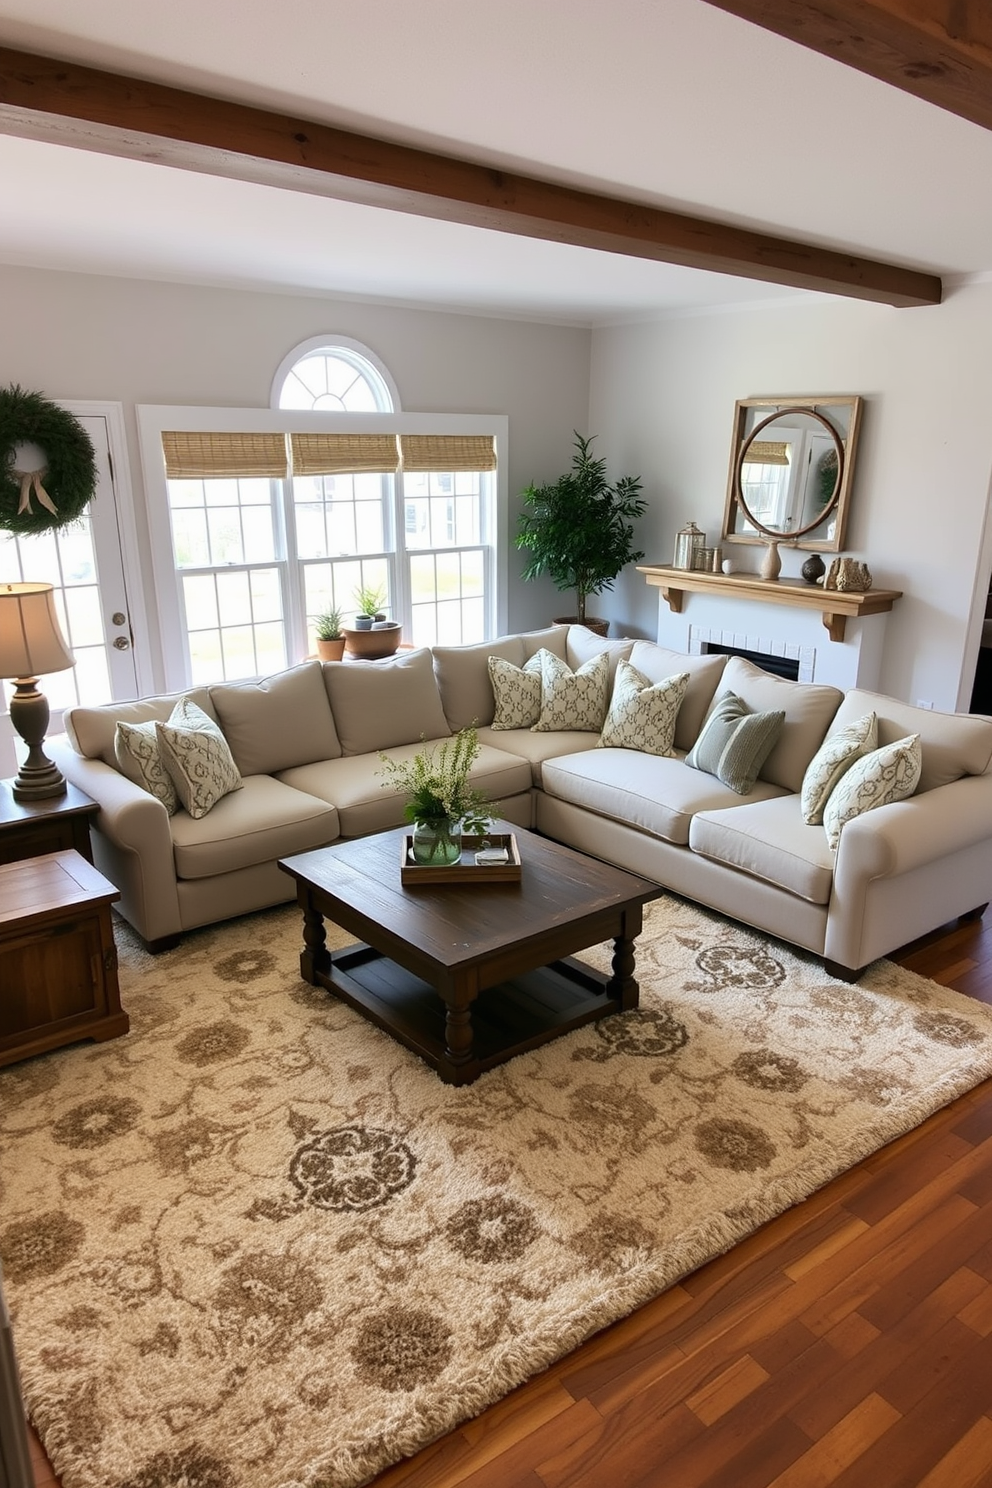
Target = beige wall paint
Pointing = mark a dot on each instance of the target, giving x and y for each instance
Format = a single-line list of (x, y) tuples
[(662, 399), (130, 341)]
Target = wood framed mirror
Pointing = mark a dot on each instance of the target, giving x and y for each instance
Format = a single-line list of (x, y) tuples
[(791, 471)]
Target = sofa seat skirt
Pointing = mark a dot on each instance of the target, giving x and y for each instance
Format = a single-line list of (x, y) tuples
[(652, 793), (538, 747), (263, 821), (770, 841), (367, 802)]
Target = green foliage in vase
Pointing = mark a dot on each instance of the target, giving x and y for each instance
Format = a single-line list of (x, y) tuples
[(579, 530), (435, 783)]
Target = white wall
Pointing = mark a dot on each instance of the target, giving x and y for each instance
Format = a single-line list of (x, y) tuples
[(662, 403), (73, 336)]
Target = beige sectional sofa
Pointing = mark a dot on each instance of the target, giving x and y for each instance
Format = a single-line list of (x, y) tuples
[(307, 744)]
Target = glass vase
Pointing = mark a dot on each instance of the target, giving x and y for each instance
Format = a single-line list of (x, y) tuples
[(436, 843)]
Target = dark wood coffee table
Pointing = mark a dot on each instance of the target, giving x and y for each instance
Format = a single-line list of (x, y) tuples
[(468, 977)]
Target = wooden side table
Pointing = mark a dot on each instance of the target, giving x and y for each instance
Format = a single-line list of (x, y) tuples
[(58, 960), (29, 828)]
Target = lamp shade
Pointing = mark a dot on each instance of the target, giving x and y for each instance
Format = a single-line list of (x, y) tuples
[(31, 639)]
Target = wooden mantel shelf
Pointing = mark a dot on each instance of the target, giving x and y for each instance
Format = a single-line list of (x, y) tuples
[(835, 605)]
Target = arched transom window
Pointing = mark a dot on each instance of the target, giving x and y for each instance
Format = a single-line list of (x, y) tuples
[(337, 377)]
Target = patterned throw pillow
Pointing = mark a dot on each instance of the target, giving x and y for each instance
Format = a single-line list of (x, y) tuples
[(888, 774), (140, 759), (196, 755), (573, 700), (835, 755), (516, 692), (734, 743), (642, 713)]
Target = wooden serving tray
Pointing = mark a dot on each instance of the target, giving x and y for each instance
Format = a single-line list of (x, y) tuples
[(467, 871)]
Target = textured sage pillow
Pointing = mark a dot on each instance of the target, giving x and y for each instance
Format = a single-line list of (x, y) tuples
[(734, 743), (835, 755), (888, 774), (197, 757), (140, 759), (516, 692), (642, 713), (573, 700)]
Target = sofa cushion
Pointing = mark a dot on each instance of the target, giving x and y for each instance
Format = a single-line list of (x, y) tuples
[(655, 794), (573, 700), (808, 708), (642, 713), (536, 748), (553, 638), (263, 821), (890, 773), (367, 802), (835, 755), (139, 757), (734, 742), (462, 674), (658, 662), (768, 840), (91, 731), (953, 744), (281, 721), (584, 645), (516, 692), (197, 757), (377, 704)]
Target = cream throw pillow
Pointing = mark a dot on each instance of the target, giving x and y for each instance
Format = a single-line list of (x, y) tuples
[(516, 692), (140, 759), (573, 700), (835, 755), (642, 713), (197, 757), (888, 774)]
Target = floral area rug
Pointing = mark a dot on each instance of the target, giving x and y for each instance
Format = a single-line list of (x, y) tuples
[(257, 1244)]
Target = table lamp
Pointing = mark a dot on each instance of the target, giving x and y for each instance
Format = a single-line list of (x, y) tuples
[(31, 645)]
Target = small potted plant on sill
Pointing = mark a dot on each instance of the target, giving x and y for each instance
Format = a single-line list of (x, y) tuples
[(369, 601), (579, 530), (330, 635), (372, 637)]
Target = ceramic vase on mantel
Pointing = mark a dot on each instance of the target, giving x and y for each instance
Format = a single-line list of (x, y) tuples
[(436, 843)]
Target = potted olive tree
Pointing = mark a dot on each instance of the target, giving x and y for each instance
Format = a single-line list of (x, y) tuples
[(579, 530)]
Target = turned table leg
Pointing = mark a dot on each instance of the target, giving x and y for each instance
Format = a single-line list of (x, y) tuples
[(315, 958)]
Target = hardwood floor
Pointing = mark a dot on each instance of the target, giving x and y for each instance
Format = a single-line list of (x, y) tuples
[(848, 1344)]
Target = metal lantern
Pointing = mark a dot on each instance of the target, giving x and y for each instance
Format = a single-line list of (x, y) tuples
[(688, 541)]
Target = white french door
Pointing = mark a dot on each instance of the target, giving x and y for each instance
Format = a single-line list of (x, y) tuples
[(86, 564)]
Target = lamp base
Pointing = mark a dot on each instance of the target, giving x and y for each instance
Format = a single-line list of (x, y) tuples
[(38, 778), (38, 784)]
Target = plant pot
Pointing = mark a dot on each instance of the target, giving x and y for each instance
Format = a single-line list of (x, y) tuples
[(371, 645), (331, 650), (598, 627), (363, 622)]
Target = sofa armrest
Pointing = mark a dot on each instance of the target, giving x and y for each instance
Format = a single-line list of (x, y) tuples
[(910, 834), (132, 841)]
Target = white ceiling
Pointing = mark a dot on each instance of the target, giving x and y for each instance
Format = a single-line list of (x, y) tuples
[(667, 101)]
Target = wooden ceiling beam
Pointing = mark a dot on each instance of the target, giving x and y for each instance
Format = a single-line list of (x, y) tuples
[(81, 107), (938, 50)]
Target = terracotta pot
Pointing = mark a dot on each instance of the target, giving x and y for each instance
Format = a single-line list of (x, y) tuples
[(598, 627), (370, 645), (331, 650)]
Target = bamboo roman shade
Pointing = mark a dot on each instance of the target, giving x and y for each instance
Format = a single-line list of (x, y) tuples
[(448, 451), (767, 452), (343, 454), (196, 456)]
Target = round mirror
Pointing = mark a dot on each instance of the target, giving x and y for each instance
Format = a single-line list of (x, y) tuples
[(789, 474)]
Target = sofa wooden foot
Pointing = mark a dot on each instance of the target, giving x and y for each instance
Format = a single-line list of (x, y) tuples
[(974, 914), (842, 973), (164, 943)]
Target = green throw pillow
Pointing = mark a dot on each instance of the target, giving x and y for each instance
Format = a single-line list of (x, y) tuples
[(734, 743), (642, 713), (835, 755), (888, 774)]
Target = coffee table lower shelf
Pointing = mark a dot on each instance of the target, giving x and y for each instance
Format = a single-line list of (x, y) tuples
[(507, 1019)]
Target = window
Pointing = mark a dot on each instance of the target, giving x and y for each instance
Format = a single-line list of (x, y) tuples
[(264, 520)]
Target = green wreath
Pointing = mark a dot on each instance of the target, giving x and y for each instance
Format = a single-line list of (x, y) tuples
[(56, 488)]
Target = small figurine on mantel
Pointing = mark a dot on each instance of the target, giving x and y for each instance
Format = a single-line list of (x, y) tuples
[(849, 574)]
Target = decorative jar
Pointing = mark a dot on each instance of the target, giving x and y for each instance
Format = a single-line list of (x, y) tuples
[(689, 541)]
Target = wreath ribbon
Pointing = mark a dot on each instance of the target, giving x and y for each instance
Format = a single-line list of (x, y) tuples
[(29, 478)]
